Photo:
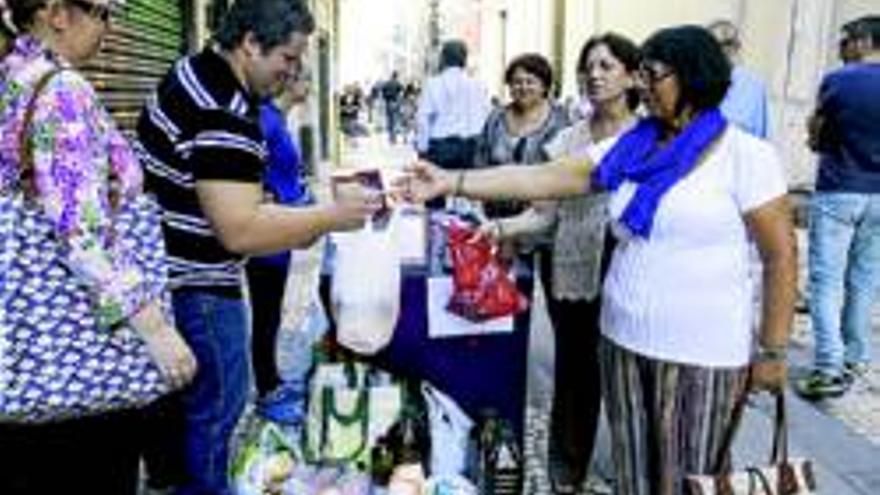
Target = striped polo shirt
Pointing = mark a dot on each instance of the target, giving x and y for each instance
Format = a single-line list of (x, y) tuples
[(201, 124)]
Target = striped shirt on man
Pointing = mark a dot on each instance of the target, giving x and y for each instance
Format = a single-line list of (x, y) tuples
[(201, 124)]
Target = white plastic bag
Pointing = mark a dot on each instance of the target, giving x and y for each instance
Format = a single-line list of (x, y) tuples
[(366, 288), (450, 429)]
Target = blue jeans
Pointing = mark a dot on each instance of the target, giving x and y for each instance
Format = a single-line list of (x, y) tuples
[(215, 328), (844, 265)]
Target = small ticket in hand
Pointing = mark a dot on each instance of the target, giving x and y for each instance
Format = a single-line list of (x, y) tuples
[(370, 179)]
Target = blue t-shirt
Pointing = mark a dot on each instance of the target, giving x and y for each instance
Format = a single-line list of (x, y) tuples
[(282, 176), (283, 173), (849, 102)]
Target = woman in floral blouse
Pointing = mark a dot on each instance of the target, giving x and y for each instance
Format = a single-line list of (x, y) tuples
[(80, 161)]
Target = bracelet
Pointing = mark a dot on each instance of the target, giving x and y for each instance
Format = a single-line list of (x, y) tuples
[(459, 184), (771, 353)]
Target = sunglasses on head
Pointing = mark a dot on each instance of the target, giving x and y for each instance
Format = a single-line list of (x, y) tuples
[(96, 10)]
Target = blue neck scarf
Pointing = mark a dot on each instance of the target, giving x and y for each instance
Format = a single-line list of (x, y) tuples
[(637, 158)]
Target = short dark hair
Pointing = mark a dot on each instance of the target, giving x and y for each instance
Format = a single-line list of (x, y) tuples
[(271, 21), (696, 58), (623, 49), (536, 65), (453, 54), (865, 27)]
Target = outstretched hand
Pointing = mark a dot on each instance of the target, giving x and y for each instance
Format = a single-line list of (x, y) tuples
[(424, 181)]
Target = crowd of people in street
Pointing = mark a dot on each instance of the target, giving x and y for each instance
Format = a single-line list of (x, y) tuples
[(641, 209)]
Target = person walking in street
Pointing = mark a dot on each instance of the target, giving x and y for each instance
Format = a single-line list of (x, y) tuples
[(571, 269), (746, 103), (392, 96), (79, 169), (844, 235), (687, 193), (203, 150), (451, 111)]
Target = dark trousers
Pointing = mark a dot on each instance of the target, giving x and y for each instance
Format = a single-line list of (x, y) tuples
[(577, 394), (163, 445), (452, 153), (266, 281), (97, 455)]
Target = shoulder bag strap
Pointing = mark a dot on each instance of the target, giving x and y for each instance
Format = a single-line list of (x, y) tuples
[(779, 454), (25, 144), (722, 464)]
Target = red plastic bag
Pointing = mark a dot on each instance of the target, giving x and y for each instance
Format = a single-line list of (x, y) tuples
[(482, 286)]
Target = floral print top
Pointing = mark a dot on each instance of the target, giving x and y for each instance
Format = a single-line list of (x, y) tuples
[(80, 160)]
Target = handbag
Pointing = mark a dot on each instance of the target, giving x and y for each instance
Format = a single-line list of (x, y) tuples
[(350, 407), (782, 476), (56, 363)]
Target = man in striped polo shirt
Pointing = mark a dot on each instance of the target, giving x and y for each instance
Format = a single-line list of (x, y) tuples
[(203, 151)]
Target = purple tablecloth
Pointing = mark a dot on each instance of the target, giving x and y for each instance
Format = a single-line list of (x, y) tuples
[(480, 373)]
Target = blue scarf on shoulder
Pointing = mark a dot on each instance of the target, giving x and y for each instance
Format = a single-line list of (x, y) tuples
[(636, 158)]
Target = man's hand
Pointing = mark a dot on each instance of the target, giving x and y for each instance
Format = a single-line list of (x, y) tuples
[(353, 204)]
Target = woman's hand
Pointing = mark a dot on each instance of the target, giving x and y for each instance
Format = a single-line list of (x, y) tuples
[(169, 351), (492, 229), (425, 181), (172, 355), (769, 375)]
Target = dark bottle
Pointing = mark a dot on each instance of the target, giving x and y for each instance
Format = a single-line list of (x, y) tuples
[(500, 470), (409, 448)]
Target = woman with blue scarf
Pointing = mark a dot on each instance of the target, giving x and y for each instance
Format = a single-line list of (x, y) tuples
[(689, 196)]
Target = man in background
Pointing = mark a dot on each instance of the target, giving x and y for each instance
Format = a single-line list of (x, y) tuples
[(451, 111), (392, 95), (844, 236), (746, 103)]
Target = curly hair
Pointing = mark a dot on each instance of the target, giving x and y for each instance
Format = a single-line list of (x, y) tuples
[(698, 61)]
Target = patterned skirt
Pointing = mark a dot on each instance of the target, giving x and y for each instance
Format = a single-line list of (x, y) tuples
[(666, 419)]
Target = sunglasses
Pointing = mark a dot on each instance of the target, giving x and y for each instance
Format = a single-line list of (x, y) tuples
[(97, 11)]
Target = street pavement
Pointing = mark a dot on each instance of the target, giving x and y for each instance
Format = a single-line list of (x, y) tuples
[(841, 436)]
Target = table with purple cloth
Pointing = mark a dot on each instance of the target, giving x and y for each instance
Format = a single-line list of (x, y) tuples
[(481, 373)]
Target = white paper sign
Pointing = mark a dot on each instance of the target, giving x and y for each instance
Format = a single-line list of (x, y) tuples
[(442, 323)]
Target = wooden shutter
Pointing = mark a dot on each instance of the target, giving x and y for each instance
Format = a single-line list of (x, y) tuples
[(145, 40)]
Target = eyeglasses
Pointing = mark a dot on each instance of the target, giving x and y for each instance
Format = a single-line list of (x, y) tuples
[(95, 10), (653, 74)]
